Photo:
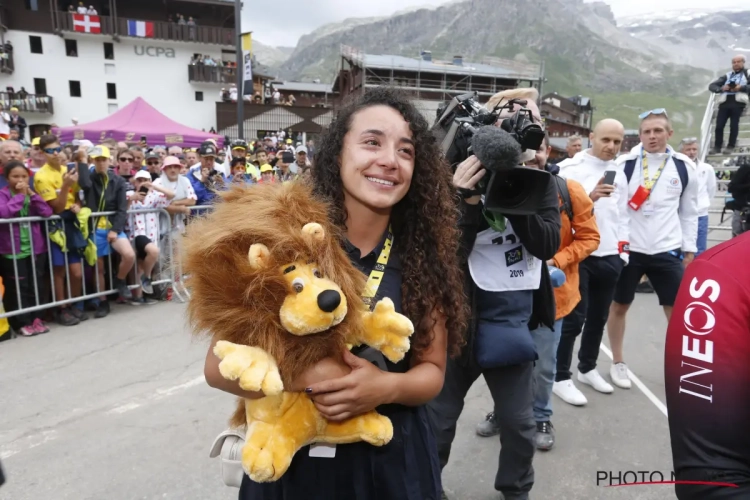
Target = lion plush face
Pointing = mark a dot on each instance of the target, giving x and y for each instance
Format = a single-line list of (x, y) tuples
[(314, 304)]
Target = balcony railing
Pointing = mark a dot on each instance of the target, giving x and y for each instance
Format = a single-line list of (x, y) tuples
[(26, 103), (6, 62), (200, 73), (161, 30)]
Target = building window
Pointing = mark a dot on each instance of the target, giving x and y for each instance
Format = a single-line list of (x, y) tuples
[(109, 50), (40, 86), (111, 91), (36, 44), (75, 88), (31, 5), (199, 96), (71, 48)]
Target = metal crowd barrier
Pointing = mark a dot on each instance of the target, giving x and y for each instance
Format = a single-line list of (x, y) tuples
[(165, 239)]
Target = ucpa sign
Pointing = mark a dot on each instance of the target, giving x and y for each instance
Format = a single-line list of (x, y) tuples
[(144, 50)]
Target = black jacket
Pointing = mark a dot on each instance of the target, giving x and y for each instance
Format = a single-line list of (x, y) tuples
[(739, 187), (115, 198), (540, 235)]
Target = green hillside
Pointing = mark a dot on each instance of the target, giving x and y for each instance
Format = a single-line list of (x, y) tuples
[(686, 112)]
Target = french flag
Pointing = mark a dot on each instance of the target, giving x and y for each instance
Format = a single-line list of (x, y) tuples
[(141, 28)]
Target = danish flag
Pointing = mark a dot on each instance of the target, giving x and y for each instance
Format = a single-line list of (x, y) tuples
[(86, 24)]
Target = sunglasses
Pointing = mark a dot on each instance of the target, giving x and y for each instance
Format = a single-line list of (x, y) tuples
[(152, 163), (657, 111), (127, 160), (52, 151)]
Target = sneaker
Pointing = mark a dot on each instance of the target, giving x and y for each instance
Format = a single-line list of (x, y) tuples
[(122, 289), (39, 326), (728, 150), (27, 331), (489, 426), (545, 436), (618, 372), (146, 285), (568, 392), (65, 318), (715, 151), (102, 310), (79, 314), (595, 380), (141, 301)]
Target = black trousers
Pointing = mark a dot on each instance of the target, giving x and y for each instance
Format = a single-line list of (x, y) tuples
[(597, 282), (733, 114), (12, 300), (513, 395)]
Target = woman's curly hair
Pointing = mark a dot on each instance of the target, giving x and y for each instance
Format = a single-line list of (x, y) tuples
[(424, 222)]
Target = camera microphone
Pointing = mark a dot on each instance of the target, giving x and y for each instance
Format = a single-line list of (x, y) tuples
[(495, 148)]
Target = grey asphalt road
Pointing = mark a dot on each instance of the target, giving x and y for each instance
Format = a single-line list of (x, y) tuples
[(117, 409)]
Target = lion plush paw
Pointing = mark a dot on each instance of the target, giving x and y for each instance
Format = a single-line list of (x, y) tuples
[(387, 330), (255, 369), (268, 453)]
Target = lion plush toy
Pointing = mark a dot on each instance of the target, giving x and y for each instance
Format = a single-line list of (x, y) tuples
[(269, 279)]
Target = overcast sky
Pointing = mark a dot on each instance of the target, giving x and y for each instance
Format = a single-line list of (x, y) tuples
[(284, 26)]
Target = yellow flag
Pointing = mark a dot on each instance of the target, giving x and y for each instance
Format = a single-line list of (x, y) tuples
[(247, 47), (247, 42)]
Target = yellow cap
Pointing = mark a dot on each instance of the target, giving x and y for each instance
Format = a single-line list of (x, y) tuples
[(14, 108), (35, 141), (288, 141), (266, 168), (100, 152)]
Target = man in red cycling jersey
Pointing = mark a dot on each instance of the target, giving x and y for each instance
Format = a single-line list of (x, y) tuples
[(707, 375)]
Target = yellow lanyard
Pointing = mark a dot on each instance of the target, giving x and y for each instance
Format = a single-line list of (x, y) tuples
[(376, 275), (650, 183)]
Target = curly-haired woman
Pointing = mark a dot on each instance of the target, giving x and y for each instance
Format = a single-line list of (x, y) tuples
[(383, 172)]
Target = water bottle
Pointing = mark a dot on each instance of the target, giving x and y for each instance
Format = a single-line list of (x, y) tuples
[(557, 277)]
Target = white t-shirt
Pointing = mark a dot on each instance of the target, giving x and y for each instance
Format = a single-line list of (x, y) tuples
[(182, 189), (146, 224), (4, 123)]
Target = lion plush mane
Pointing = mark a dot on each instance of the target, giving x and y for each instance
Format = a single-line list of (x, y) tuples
[(234, 302)]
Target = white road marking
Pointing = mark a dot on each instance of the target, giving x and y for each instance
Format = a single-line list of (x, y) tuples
[(156, 396), (46, 436), (32, 442), (645, 390)]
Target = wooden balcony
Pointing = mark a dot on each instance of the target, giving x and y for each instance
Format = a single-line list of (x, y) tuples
[(29, 103), (118, 27), (199, 73)]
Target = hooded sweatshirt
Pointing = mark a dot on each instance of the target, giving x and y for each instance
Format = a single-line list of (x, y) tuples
[(612, 217)]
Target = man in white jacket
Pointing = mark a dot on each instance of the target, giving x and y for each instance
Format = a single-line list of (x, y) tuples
[(598, 273), (706, 189), (663, 206)]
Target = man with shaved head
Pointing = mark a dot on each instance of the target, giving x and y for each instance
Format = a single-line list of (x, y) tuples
[(607, 186)]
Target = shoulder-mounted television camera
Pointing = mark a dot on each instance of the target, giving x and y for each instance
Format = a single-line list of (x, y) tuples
[(466, 128)]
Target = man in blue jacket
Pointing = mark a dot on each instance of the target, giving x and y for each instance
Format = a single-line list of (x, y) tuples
[(204, 179)]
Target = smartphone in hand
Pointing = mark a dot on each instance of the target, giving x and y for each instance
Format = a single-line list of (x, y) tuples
[(609, 177)]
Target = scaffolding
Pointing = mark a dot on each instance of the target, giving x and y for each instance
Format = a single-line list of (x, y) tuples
[(435, 80)]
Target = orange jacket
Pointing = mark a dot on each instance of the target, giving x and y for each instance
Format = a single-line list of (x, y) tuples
[(578, 240)]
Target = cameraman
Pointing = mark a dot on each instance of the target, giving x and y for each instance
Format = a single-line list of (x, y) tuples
[(506, 307), (205, 179)]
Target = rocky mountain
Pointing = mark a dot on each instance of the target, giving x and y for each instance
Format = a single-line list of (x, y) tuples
[(701, 38), (580, 43), (271, 56)]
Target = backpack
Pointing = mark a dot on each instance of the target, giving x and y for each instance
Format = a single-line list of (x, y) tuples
[(681, 170), (562, 189)]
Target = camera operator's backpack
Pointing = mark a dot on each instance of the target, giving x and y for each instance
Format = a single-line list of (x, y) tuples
[(562, 189)]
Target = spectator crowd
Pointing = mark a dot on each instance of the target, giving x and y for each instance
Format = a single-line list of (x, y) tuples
[(88, 225)]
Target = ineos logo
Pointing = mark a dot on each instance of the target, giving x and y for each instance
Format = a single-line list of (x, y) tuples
[(708, 318)]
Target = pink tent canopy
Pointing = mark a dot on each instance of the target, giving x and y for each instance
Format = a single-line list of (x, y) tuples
[(133, 121)]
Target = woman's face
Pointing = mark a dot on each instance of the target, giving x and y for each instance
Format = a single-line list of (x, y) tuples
[(18, 174), (125, 163), (377, 158)]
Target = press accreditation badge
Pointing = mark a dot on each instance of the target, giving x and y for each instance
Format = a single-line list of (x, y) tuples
[(499, 262)]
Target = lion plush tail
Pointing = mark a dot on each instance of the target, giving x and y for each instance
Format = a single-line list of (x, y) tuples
[(239, 419)]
